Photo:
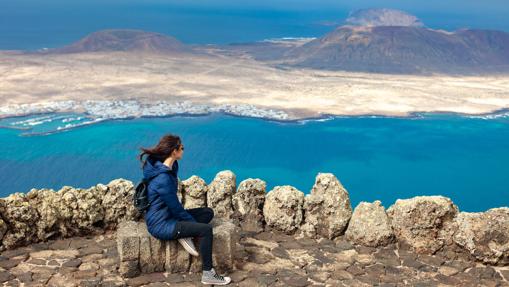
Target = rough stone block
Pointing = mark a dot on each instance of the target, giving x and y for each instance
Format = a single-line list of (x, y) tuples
[(177, 258), (152, 252), (140, 252), (224, 243), (128, 245), (128, 241)]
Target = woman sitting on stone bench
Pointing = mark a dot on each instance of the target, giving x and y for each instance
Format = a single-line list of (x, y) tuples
[(166, 218)]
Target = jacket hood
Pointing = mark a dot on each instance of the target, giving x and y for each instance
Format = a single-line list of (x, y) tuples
[(154, 167)]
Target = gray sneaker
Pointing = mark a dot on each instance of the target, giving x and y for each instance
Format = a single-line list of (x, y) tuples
[(188, 245), (211, 277)]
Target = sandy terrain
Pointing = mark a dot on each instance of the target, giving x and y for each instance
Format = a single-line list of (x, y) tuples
[(236, 80)]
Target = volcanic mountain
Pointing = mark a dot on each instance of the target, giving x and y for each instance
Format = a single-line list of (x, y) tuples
[(376, 40), (382, 17), (124, 40), (404, 49), (392, 41)]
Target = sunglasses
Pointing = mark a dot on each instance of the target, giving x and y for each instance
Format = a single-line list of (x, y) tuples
[(182, 147)]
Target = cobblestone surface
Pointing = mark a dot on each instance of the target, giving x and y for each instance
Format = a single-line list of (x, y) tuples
[(264, 259)]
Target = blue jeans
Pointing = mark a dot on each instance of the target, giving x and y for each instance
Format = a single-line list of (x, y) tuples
[(201, 229)]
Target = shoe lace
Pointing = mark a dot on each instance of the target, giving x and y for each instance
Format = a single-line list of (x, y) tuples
[(218, 277)]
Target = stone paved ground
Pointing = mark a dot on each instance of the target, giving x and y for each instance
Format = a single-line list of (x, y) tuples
[(265, 259)]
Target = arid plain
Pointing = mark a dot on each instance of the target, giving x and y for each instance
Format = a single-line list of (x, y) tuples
[(214, 77)]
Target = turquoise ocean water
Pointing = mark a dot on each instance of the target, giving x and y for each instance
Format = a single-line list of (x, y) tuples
[(383, 158)]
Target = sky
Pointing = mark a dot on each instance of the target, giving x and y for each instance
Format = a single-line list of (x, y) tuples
[(34, 24)]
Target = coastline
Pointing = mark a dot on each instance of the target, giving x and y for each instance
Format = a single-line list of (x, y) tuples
[(155, 85), (97, 111)]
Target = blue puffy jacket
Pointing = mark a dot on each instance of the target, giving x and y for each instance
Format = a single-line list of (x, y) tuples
[(165, 208)]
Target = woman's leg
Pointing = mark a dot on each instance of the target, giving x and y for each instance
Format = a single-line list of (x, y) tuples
[(185, 229), (202, 214)]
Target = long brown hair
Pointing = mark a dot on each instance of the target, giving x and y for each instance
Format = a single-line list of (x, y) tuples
[(162, 150)]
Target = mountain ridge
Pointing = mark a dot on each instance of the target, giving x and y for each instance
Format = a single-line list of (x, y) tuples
[(395, 49)]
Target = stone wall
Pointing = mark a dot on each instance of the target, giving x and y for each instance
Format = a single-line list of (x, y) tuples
[(45, 214), (426, 224)]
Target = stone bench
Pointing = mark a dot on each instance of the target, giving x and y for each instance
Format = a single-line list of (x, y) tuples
[(140, 252)]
